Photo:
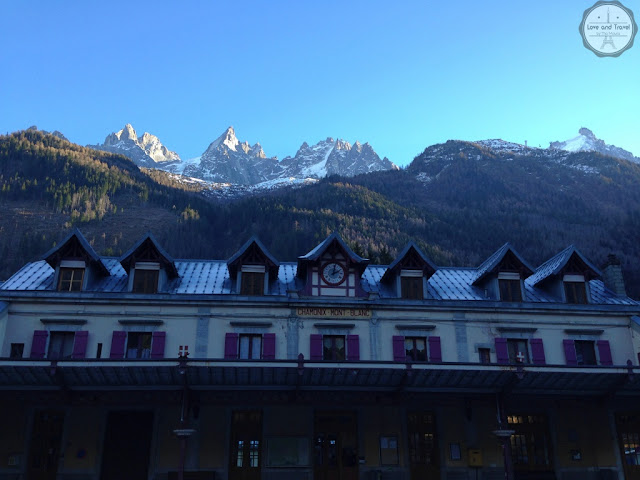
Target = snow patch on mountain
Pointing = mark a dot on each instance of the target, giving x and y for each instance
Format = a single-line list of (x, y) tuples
[(586, 141), (145, 151)]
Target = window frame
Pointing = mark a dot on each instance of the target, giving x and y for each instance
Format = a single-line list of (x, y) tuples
[(412, 354), (574, 288), (484, 353), (412, 285), (71, 284), (510, 287), (250, 337), (580, 347), (60, 339), (252, 283), (140, 340), (513, 359), (337, 354), (146, 279)]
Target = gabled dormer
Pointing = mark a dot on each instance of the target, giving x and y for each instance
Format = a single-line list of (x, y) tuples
[(409, 273), (502, 275), (566, 276), (149, 267), (252, 268), (332, 269), (75, 262)]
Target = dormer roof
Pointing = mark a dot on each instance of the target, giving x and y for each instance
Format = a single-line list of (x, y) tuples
[(411, 257), (504, 259), (332, 240), (253, 252), (148, 249), (75, 246), (568, 260)]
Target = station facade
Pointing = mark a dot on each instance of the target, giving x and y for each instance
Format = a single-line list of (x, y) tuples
[(149, 367)]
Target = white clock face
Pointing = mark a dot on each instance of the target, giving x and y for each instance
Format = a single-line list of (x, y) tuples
[(333, 273)]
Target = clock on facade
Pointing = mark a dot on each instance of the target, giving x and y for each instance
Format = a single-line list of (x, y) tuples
[(333, 273)]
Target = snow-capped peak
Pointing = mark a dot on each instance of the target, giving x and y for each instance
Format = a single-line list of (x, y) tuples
[(587, 141), (228, 139)]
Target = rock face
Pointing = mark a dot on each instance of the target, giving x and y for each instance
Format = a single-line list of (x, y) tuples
[(228, 160), (587, 141), (145, 151)]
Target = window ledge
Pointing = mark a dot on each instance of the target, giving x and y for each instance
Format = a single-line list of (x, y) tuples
[(334, 325), (57, 321), (416, 327), (584, 331), (517, 329), (250, 324), (140, 322)]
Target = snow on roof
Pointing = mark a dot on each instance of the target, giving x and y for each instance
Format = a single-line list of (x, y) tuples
[(211, 277), (494, 260), (556, 263)]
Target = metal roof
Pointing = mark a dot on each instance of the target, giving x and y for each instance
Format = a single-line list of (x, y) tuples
[(289, 374), (554, 265), (91, 253), (494, 260), (211, 277), (125, 259)]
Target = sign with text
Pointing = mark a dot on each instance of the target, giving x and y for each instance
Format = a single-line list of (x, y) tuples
[(333, 312)]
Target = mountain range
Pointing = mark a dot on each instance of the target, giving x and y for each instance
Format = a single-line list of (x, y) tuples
[(458, 201), (227, 160)]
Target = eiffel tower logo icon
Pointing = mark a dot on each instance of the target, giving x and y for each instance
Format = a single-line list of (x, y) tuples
[(608, 39)]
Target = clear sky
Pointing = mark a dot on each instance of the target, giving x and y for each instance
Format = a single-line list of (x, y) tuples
[(400, 75)]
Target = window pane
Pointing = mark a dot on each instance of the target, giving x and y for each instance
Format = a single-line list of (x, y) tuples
[(256, 347), (145, 281), (510, 290), (244, 346), (575, 292), (70, 279)]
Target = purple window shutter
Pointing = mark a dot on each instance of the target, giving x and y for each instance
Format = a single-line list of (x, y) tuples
[(502, 352), (315, 346), (231, 346), (435, 350), (157, 344), (399, 353), (353, 347), (570, 352), (39, 344), (537, 351), (117, 344), (80, 344), (605, 352), (269, 346)]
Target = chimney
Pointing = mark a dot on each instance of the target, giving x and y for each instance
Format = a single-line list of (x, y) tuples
[(612, 275)]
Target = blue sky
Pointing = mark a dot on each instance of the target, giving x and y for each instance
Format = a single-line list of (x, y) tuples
[(400, 76)]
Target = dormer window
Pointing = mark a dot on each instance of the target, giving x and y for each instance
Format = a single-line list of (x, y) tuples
[(411, 284), (575, 290), (510, 287), (145, 277), (252, 280), (71, 276)]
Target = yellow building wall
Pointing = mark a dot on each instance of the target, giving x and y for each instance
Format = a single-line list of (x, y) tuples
[(374, 422), (167, 444), (84, 427), (213, 432), (584, 428), (12, 440)]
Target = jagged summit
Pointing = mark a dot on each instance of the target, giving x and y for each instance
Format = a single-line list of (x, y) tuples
[(228, 139), (145, 151), (587, 141)]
